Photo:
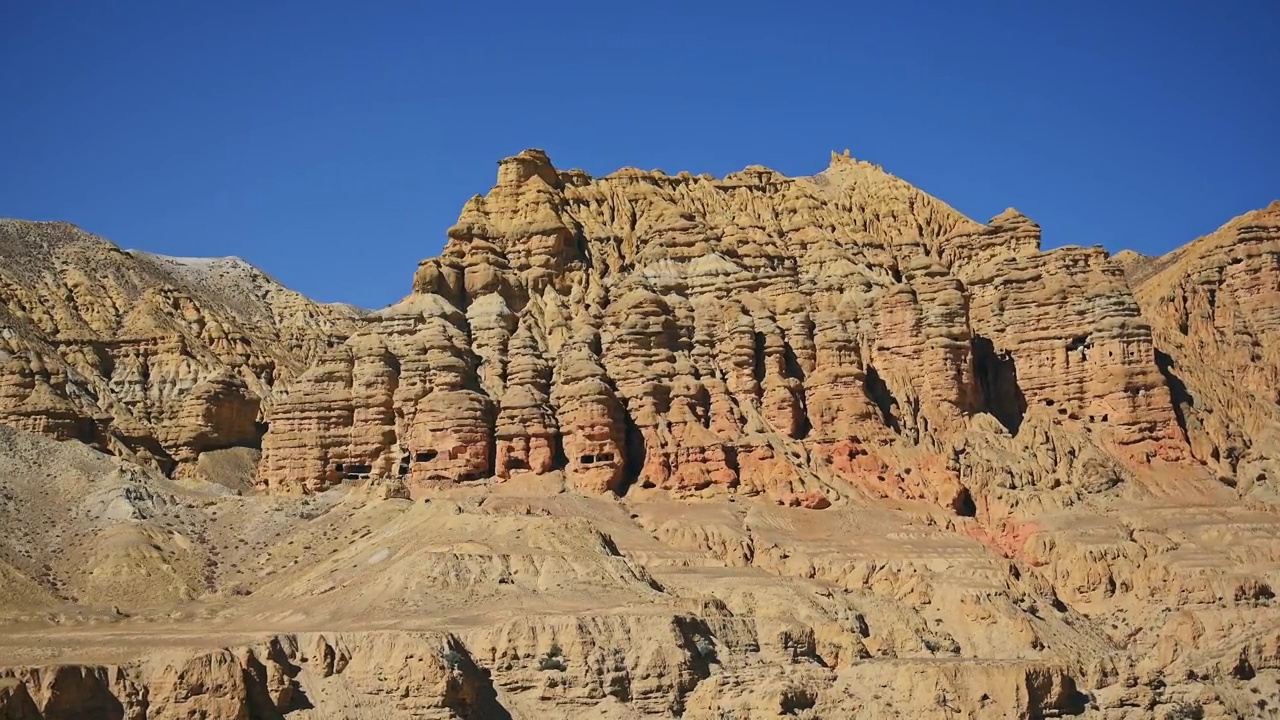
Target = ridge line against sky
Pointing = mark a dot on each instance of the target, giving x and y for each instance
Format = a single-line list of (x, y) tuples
[(332, 147)]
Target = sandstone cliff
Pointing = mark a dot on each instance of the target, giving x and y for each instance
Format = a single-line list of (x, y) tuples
[(650, 446), (751, 334), (146, 356), (1214, 305)]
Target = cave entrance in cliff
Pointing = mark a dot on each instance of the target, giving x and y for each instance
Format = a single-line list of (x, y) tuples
[(354, 471), (592, 459), (633, 452), (997, 376)]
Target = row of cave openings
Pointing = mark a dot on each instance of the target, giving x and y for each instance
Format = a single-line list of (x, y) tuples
[(363, 471)]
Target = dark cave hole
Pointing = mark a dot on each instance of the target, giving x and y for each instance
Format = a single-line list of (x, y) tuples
[(963, 504), (633, 452), (998, 379), (559, 459)]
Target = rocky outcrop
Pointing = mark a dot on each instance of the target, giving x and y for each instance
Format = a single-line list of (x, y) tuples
[(146, 356), (438, 676), (421, 675), (1074, 588), (754, 334), (1214, 305), (989, 480)]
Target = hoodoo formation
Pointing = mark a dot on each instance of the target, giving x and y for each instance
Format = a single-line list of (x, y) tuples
[(755, 334), (649, 445)]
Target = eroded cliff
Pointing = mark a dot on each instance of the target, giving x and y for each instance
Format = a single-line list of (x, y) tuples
[(151, 357), (651, 446), (753, 334)]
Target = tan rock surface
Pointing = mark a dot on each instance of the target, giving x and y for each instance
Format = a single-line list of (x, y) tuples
[(146, 356), (1214, 305), (755, 334), (527, 599), (673, 446)]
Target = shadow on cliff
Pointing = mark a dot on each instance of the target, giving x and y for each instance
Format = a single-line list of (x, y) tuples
[(485, 705), (634, 451), (997, 376), (881, 396), (1178, 391)]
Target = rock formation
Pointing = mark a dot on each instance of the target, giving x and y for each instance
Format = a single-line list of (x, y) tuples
[(649, 445), (1214, 305), (150, 357), (743, 334)]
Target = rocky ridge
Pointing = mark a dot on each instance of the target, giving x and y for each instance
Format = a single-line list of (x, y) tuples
[(679, 446), (150, 357), (1214, 306), (753, 334)]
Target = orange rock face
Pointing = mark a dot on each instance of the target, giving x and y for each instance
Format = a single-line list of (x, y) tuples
[(752, 334)]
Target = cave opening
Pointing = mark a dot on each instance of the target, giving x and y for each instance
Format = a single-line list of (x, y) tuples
[(354, 471), (633, 450), (558, 457), (997, 375), (590, 459)]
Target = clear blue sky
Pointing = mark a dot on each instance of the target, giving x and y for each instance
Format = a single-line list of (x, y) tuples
[(333, 143)]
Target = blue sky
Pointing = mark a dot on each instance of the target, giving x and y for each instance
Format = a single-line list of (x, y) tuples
[(333, 143)]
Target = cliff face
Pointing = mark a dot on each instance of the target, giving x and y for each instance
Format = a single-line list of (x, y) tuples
[(149, 357), (988, 481), (1214, 305), (756, 334)]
